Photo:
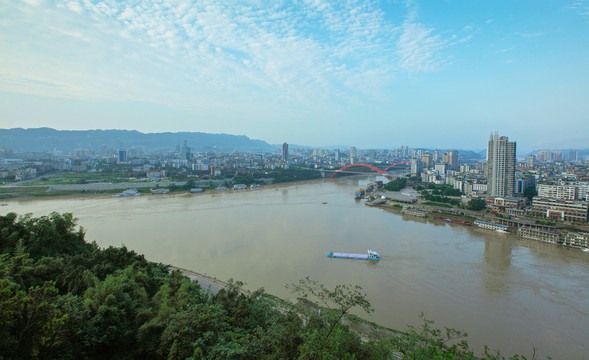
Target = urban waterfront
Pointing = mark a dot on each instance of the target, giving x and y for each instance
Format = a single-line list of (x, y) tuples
[(506, 292)]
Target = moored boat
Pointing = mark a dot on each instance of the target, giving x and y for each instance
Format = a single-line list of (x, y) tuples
[(492, 226), (129, 192), (454, 221), (159, 191)]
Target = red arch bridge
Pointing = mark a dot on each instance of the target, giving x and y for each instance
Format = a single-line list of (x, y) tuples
[(380, 171)]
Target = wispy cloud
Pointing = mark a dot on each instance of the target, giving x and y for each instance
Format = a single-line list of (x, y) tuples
[(528, 35), (419, 45), (504, 50), (582, 7), (299, 53)]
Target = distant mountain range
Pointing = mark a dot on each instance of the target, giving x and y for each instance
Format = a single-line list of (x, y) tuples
[(46, 139)]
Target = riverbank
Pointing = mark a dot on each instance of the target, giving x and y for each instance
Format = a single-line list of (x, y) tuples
[(365, 328), (279, 234), (532, 229)]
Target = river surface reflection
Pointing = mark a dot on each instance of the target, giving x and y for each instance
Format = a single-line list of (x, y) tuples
[(506, 292)]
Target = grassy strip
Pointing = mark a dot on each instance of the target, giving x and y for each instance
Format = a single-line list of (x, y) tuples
[(38, 191), (81, 178)]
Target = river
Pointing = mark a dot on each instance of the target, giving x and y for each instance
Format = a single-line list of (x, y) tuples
[(509, 293)]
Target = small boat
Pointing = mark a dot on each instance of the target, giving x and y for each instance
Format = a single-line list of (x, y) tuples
[(454, 221), (585, 250), (502, 231), (159, 191), (126, 193), (372, 255)]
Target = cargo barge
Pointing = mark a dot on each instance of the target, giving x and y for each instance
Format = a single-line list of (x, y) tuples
[(372, 255)]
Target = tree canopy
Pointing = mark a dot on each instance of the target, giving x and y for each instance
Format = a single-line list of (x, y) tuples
[(476, 204), (64, 298)]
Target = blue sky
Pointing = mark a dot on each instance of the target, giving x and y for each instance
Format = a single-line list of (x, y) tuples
[(372, 74)]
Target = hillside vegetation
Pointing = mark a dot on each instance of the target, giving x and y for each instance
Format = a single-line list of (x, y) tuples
[(64, 298)]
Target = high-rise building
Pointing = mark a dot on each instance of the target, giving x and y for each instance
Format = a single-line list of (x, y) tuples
[(531, 160), (426, 161), (451, 158), (415, 167), (185, 151), (122, 156), (285, 152), (353, 155), (500, 166)]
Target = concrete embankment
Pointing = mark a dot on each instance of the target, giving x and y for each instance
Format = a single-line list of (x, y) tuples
[(206, 282)]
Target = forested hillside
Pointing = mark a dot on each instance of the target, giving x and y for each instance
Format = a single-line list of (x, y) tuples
[(64, 298)]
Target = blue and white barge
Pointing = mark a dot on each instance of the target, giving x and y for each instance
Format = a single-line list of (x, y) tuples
[(371, 255)]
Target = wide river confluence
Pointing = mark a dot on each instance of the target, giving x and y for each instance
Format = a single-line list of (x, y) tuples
[(509, 293)]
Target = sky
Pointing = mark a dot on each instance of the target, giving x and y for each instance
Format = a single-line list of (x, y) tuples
[(370, 74)]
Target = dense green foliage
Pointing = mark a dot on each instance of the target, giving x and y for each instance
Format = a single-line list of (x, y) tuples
[(443, 189), (426, 195), (476, 204), (293, 174), (63, 298), (395, 185), (439, 193), (530, 192)]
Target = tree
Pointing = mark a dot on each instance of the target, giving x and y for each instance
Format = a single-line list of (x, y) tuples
[(29, 319), (337, 303), (428, 342), (476, 204), (190, 183), (530, 193), (395, 185)]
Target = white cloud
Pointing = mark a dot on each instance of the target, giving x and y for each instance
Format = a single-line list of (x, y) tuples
[(74, 6), (418, 45), (582, 7), (189, 52), (532, 34)]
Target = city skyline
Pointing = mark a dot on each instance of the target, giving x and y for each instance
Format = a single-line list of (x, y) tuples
[(365, 74)]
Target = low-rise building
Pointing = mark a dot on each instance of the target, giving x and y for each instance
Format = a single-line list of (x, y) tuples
[(564, 210), (534, 233), (580, 240), (503, 203), (561, 192)]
